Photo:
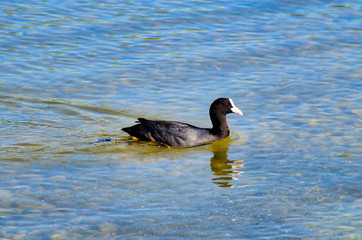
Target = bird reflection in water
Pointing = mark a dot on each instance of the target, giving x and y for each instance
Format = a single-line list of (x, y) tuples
[(225, 170)]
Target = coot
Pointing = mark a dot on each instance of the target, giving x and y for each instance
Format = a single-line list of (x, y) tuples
[(177, 134)]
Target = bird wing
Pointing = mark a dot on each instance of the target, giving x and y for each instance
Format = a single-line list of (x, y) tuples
[(175, 134)]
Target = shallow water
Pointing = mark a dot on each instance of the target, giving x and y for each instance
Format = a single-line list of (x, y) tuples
[(76, 72)]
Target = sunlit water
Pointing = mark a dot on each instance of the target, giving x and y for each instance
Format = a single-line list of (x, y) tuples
[(74, 72)]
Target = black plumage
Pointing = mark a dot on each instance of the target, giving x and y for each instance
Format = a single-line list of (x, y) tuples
[(177, 134)]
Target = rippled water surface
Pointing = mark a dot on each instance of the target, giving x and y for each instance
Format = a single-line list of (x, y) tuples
[(75, 72)]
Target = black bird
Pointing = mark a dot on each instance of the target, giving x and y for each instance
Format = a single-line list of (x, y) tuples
[(177, 134)]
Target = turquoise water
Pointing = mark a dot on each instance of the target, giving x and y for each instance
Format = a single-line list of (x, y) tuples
[(74, 72)]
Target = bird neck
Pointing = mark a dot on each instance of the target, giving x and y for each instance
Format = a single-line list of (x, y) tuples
[(219, 124)]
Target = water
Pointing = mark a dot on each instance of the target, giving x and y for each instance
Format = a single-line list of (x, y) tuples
[(74, 72)]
